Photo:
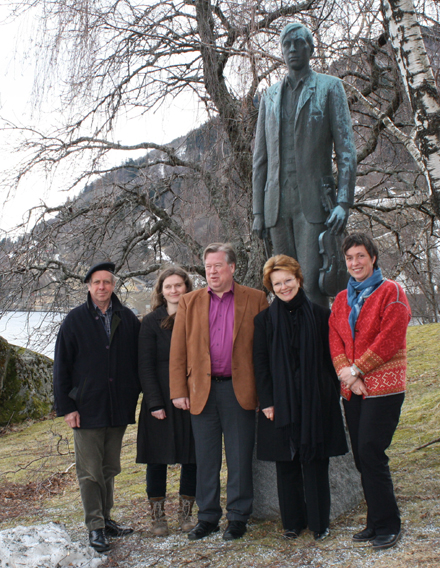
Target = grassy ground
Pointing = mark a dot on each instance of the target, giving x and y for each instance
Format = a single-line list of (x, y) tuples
[(37, 485)]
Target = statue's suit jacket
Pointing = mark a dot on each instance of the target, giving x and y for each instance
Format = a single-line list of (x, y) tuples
[(322, 121), (190, 360)]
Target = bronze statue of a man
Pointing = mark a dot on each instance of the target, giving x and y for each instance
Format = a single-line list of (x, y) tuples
[(302, 119)]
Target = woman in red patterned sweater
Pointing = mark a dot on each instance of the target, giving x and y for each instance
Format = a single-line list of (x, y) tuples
[(368, 327)]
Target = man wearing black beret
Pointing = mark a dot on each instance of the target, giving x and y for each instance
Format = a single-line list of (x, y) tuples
[(96, 387)]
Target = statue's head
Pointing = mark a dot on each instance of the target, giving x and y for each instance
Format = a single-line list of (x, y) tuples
[(305, 32), (297, 45)]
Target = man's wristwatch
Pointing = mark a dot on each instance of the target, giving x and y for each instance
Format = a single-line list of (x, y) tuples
[(353, 372)]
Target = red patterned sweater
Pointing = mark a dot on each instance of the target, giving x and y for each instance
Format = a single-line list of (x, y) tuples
[(379, 347)]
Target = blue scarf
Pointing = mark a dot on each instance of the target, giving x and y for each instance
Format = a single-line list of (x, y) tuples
[(358, 292)]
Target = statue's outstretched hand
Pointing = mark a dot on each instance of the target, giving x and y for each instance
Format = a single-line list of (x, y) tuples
[(338, 219), (258, 226)]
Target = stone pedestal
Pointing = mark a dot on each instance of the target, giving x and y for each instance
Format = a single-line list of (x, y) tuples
[(345, 485)]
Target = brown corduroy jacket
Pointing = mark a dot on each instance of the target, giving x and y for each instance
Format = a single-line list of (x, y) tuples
[(190, 360)]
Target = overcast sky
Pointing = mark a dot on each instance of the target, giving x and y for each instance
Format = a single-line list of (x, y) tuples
[(17, 71)]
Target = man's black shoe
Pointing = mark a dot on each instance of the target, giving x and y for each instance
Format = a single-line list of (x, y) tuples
[(235, 529), (385, 541), (365, 535), (113, 529), (202, 529), (98, 540)]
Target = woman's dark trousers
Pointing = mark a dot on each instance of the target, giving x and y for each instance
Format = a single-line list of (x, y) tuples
[(372, 423), (157, 479), (304, 494)]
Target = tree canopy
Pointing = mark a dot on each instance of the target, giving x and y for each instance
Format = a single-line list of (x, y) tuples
[(110, 58)]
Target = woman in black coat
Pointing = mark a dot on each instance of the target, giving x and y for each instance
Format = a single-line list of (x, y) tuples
[(300, 422), (164, 432)]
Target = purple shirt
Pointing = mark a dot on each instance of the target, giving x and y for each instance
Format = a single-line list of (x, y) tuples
[(221, 330)]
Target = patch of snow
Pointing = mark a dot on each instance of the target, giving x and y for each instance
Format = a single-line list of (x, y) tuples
[(44, 546), (180, 152)]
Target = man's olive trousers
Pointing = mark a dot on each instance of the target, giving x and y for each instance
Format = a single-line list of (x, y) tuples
[(97, 453)]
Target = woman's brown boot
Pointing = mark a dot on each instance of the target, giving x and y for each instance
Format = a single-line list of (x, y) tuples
[(185, 510), (159, 525)]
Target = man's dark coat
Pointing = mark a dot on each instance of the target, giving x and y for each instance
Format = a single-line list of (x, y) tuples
[(93, 374)]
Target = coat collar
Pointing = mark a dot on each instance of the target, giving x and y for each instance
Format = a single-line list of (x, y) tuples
[(203, 300), (116, 304), (240, 302), (160, 313), (306, 92)]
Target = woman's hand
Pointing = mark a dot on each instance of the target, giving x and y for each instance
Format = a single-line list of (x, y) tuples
[(358, 387), (353, 382), (159, 414), (269, 412), (346, 377)]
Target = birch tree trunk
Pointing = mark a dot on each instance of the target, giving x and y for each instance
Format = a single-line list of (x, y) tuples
[(406, 36)]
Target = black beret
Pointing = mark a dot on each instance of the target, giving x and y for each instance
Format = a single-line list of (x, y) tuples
[(109, 266)]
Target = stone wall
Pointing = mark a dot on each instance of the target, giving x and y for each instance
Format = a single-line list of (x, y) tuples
[(25, 384)]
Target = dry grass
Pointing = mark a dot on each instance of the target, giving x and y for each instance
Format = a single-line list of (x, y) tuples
[(37, 484)]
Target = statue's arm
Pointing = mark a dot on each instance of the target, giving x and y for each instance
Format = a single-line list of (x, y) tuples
[(345, 149), (259, 177)]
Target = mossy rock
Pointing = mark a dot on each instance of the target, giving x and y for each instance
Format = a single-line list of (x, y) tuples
[(25, 384)]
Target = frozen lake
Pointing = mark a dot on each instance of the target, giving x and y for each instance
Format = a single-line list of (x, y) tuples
[(34, 330)]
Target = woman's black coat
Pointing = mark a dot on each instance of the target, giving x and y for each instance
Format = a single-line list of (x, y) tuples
[(270, 446), (160, 441)]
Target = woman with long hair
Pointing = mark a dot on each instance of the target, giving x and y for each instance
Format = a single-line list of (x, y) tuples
[(164, 432)]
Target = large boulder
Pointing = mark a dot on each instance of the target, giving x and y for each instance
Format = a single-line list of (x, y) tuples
[(25, 384)]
